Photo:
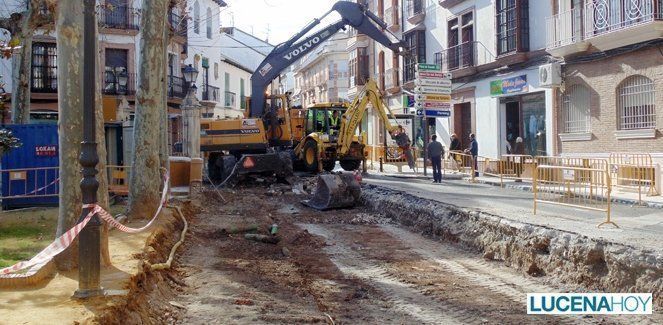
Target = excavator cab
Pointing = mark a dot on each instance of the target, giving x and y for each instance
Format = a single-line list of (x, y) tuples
[(325, 119)]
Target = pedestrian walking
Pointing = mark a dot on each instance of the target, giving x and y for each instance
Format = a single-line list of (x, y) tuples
[(455, 143), (474, 151), (435, 153), (454, 149)]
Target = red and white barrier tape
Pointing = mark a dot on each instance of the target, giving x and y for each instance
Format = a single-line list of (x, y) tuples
[(61, 243)]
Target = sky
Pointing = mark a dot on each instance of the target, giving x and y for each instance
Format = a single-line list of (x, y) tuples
[(283, 18)]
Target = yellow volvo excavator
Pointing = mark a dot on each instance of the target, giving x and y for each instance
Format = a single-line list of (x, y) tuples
[(331, 130)]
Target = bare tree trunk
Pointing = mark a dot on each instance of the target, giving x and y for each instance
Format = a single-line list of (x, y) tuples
[(69, 29), (102, 177), (22, 66), (163, 145), (145, 176)]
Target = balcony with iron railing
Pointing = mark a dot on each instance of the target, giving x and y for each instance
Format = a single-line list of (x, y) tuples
[(211, 93), (564, 33), (416, 11), (392, 18), (229, 100), (605, 25), (464, 58), (177, 87), (178, 23), (120, 17)]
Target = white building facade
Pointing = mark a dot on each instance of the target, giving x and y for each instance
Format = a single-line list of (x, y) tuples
[(322, 75)]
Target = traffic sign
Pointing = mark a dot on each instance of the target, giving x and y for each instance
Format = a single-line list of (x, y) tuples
[(432, 105), (438, 113), (433, 75), (433, 82), (432, 98), (420, 112), (433, 90), (428, 67)]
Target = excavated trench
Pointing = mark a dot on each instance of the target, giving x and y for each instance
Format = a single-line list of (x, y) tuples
[(568, 258)]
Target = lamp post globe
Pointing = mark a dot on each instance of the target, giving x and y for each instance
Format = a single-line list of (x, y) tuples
[(190, 74), (123, 79)]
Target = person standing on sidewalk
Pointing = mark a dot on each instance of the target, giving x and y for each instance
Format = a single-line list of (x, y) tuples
[(474, 151), (435, 153)]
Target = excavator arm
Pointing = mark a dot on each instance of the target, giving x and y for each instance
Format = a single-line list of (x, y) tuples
[(355, 113), (287, 53)]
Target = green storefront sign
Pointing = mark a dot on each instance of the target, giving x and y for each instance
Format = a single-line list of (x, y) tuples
[(428, 67), (496, 87)]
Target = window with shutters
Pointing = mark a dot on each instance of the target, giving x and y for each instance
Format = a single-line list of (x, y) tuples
[(44, 68), (512, 17), (196, 17), (416, 53), (209, 23)]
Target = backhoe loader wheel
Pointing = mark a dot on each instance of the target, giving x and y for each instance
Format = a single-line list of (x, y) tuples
[(311, 156), (328, 165), (213, 171), (350, 165)]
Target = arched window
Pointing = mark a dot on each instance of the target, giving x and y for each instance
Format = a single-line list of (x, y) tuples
[(576, 110), (209, 23), (636, 108), (196, 18)]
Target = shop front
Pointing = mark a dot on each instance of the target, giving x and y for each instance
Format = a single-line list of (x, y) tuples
[(524, 119)]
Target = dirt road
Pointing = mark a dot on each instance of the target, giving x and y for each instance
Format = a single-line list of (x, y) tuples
[(342, 267)]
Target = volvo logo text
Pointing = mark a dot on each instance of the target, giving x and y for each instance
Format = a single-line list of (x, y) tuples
[(296, 52)]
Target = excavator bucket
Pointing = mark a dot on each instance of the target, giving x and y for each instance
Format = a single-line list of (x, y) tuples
[(335, 191)]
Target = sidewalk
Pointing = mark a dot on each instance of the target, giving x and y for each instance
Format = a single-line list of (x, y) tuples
[(639, 226), (618, 195), (392, 171)]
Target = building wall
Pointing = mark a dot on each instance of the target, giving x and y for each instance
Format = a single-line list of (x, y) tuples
[(602, 78), (322, 75), (236, 77), (200, 46)]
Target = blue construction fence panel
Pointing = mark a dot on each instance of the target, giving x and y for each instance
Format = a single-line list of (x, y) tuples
[(39, 150)]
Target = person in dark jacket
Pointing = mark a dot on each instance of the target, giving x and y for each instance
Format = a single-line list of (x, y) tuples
[(519, 148), (455, 143), (435, 153), (474, 151)]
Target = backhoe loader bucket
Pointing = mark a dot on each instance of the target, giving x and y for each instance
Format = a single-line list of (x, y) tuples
[(335, 191)]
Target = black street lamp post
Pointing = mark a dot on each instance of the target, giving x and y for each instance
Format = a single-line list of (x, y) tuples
[(89, 256)]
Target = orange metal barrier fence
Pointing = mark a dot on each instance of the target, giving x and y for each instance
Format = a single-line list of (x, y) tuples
[(460, 162), (635, 171), (584, 188), (118, 179)]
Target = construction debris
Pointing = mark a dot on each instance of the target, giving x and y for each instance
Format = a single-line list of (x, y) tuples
[(268, 239)]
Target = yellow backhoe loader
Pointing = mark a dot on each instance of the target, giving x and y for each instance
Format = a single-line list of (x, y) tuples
[(331, 130)]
